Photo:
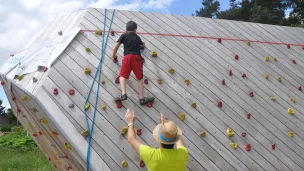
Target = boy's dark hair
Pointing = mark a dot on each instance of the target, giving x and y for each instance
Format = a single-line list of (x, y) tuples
[(131, 26), (167, 146)]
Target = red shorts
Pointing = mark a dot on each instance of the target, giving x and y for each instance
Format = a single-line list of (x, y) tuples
[(133, 63)]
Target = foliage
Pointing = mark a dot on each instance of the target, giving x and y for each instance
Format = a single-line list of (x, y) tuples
[(11, 117), (210, 8), (17, 139), (2, 109), (5, 128), (296, 16)]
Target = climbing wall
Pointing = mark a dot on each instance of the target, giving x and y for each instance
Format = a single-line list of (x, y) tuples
[(234, 88)]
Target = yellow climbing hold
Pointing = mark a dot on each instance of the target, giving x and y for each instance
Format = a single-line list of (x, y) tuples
[(87, 106), (25, 98), (171, 71), (293, 100), (98, 32), (272, 98), (266, 76), (229, 132), (154, 54), (124, 164), (87, 70), (248, 43), (67, 146), (275, 59), (85, 133), (159, 81), (43, 120), (290, 134), (187, 82), (88, 49), (202, 134), (20, 77), (124, 130), (57, 153), (279, 79), (193, 105), (291, 111), (102, 82), (266, 58), (181, 116), (233, 145), (103, 107), (29, 125)]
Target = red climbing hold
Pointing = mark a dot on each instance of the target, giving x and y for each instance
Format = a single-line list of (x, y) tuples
[(230, 72), (293, 61), (142, 164), (139, 132), (288, 46), (243, 75), (71, 92), (251, 94), (117, 80), (236, 57), (13, 98), (115, 60), (150, 104), (303, 48), (118, 104), (112, 33), (248, 147), (220, 104), (69, 167), (49, 159), (55, 133), (40, 133), (45, 69), (55, 166), (223, 82), (18, 110), (35, 135), (66, 157), (244, 134), (146, 81), (273, 146), (55, 92), (219, 40), (2, 83), (300, 88), (248, 115)]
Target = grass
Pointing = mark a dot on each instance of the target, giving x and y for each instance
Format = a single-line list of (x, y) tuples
[(18, 152)]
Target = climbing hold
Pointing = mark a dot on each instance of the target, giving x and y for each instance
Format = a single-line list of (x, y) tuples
[(68, 167), (248, 116), (14, 98), (124, 164), (20, 77), (303, 48), (236, 57), (266, 76), (139, 132), (220, 104), (67, 146), (149, 104), (30, 125), (202, 134), (35, 135), (115, 59), (35, 79), (279, 79), (251, 94), (98, 32), (12, 55), (230, 72), (71, 92), (187, 82), (229, 132), (266, 58), (55, 91), (154, 54), (272, 98), (112, 33), (55, 165), (85, 133), (18, 110), (159, 81), (248, 43), (43, 120), (223, 82), (291, 111), (40, 133), (118, 104), (193, 105), (273, 146), (103, 107), (293, 100), (71, 105), (88, 50), (233, 145), (45, 69), (293, 61), (219, 40), (275, 59), (124, 130), (102, 81), (87, 70), (54, 133), (288, 46), (2, 83), (181, 116), (117, 80), (25, 98), (248, 147), (290, 134), (142, 164), (300, 88), (146, 81), (87, 106), (171, 71), (60, 33), (243, 75), (244, 134)]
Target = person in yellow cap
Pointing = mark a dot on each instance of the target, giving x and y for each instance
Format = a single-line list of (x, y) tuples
[(166, 158)]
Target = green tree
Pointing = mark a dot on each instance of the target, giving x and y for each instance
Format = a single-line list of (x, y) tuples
[(210, 8), (11, 117), (2, 109), (296, 16)]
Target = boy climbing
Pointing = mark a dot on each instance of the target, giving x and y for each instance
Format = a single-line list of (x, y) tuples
[(132, 61)]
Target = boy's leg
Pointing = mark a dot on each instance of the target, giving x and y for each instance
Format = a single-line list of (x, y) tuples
[(140, 89), (124, 74), (122, 81)]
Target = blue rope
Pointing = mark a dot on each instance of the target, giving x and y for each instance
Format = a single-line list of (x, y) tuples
[(98, 72)]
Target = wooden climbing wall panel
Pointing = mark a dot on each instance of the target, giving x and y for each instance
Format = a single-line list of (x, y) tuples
[(242, 76)]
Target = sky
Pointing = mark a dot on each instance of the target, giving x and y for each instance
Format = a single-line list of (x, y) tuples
[(22, 19)]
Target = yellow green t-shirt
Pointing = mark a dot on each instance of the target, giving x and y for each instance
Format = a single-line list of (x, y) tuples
[(164, 159)]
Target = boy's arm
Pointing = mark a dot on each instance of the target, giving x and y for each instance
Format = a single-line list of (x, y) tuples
[(116, 47)]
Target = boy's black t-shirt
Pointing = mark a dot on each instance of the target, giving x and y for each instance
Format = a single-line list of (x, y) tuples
[(131, 42)]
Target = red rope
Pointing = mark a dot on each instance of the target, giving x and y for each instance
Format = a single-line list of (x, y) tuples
[(204, 37)]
